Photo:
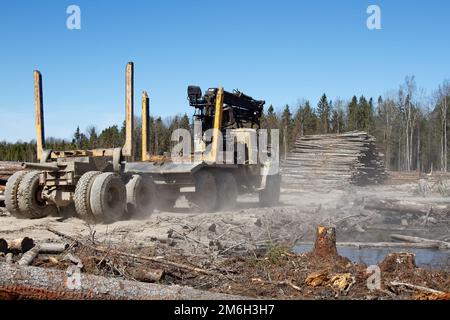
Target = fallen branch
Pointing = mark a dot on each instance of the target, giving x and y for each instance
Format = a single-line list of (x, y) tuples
[(189, 238), (414, 287), (134, 256), (347, 217), (290, 284), (285, 282), (233, 246), (225, 233), (29, 256)]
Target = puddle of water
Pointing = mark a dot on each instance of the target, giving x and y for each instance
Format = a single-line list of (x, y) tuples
[(425, 258)]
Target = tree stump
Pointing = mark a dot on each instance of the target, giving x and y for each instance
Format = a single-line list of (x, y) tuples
[(325, 245), (398, 262)]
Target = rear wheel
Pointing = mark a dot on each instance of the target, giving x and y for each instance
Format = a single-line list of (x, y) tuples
[(227, 190), (11, 190), (82, 196), (31, 203), (140, 196), (205, 197), (270, 195), (108, 197)]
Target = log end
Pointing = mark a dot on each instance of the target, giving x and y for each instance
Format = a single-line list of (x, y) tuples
[(3, 246)]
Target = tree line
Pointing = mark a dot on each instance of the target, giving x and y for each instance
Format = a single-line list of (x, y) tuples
[(410, 127), (111, 137)]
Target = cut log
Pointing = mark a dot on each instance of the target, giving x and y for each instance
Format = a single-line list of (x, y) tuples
[(25, 282), (405, 206), (53, 247), (436, 243), (7, 169), (29, 256), (390, 227)]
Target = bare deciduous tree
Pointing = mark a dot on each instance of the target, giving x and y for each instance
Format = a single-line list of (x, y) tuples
[(442, 95)]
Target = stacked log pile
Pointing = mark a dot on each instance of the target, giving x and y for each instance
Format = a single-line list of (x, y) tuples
[(7, 169), (333, 160)]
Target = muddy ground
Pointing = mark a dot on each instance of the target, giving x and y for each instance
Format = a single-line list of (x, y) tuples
[(249, 251)]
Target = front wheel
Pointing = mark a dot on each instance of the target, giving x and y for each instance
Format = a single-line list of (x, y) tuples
[(140, 196), (227, 191), (205, 197)]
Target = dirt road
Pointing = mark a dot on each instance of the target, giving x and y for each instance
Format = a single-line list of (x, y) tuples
[(246, 251), (249, 225)]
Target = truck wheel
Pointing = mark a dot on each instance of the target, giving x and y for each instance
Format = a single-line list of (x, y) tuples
[(140, 196), (227, 190), (30, 200), (82, 195), (270, 195), (205, 197), (11, 190), (108, 197)]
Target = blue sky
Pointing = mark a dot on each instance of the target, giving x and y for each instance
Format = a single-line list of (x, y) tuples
[(280, 51)]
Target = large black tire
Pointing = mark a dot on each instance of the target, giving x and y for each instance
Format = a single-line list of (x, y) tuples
[(11, 190), (140, 196), (227, 191), (205, 197), (270, 195), (31, 204), (108, 197), (82, 196)]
